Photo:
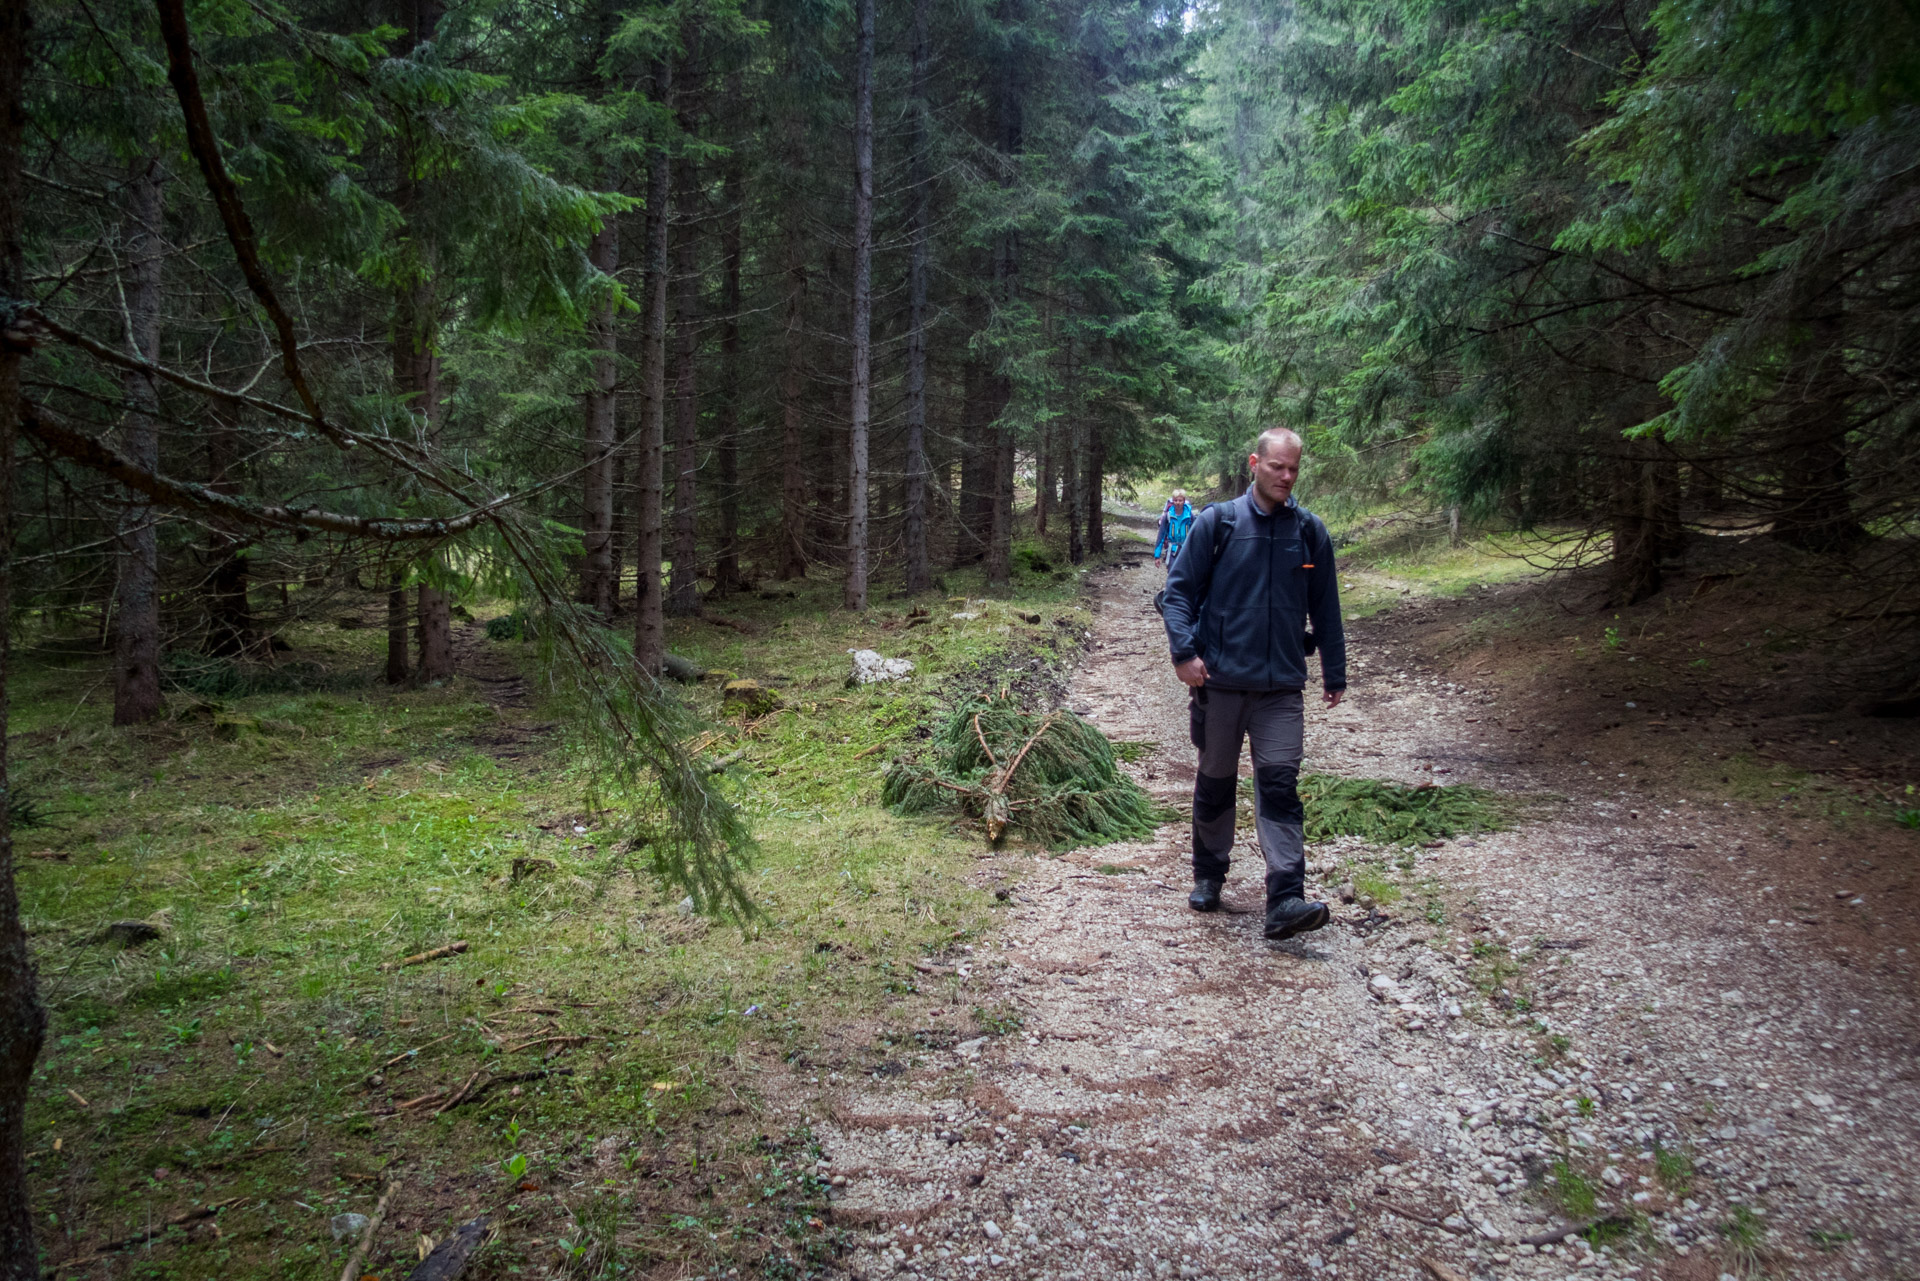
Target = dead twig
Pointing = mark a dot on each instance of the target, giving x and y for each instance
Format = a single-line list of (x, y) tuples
[(458, 1095), (509, 1078), (546, 1040), (352, 1271), (991, 758), (141, 1238), (1417, 1218), (421, 958), (407, 1054), (1556, 1235)]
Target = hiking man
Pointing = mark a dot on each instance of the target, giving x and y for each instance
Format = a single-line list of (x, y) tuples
[(1174, 523), (1237, 609)]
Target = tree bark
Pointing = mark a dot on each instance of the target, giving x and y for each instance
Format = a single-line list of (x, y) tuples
[(1644, 517), (1096, 488), (416, 359), (973, 514), (920, 231), (793, 472), (230, 630), (23, 1022), (856, 590), (597, 587), (436, 634), (397, 626), (683, 590), (1816, 492), (1075, 499), (649, 626), (136, 632), (1006, 272), (726, 572)]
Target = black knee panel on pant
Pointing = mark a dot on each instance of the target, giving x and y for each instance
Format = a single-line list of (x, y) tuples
[(1279, 788), (1212, 797)]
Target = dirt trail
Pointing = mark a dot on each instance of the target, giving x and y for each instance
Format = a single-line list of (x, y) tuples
[(1184, 1099)]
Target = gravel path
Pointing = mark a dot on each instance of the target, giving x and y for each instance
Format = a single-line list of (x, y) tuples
[(1591, 1002)]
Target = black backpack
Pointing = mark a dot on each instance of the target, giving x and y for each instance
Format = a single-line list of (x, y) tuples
[(1222, 531)]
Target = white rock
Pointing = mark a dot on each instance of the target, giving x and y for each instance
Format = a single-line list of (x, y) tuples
[(1612, 1177), (970, 1049), (686, 906), (1735, 997), (1819, 1100), (348, 1227), (869, 667), (992, 1230)]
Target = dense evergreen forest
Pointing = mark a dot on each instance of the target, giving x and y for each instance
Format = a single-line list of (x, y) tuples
[(618, 311)]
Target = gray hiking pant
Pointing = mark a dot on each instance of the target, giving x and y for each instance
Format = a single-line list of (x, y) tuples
[(1274, 722)]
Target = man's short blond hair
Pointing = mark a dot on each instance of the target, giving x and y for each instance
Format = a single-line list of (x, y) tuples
[(1277, 436)]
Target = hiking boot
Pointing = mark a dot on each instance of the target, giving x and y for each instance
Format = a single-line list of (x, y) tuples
[(1291, 916), (1206, 894)]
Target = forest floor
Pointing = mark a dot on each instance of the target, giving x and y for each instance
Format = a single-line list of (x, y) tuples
[(1670, 1003), (1663, 1025)]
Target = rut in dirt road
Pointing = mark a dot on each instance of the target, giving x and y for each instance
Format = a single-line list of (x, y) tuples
[(1452, 1082)]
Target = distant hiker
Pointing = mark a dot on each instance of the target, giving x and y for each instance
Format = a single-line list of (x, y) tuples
[(1175, 521), (1237, 608)]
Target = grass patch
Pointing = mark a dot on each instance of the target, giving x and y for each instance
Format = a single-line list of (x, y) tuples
[(1574, 1191), (1674, 1170), (1745, 1236), (1394, 814), (299, 840), (1375, 885)]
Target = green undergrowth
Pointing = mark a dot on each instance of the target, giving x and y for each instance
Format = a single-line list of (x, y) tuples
[(293, 846)]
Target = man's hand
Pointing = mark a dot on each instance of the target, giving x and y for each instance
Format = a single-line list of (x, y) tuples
[(1192, 672), (1332, 698)]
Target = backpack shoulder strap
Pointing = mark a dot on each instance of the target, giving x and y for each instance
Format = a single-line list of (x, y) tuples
[(1223, 527)]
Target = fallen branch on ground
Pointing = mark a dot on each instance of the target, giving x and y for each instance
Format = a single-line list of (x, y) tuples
[(420, 958), (352, 1271), (141, 1238)]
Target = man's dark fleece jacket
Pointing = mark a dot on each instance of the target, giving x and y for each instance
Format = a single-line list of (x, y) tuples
[(1247, 614)]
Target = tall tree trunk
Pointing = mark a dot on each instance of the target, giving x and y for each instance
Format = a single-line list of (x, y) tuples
[(683, 591), (230, 630), (1075, 499), (974, 511), (1000, 528), (726, 571), (1006, 271), (396, 626), (597, 584), (23, 1022), (1816, 491), (649, 626), (416, 356), (1096, 487), (136, 632), (622, 524), (920, 234), (417, 371), (1642, 513), (436, 634), (793, 473), (856, 594), (1043, 479)]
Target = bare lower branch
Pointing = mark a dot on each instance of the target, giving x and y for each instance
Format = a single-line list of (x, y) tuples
[(231, 509)]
